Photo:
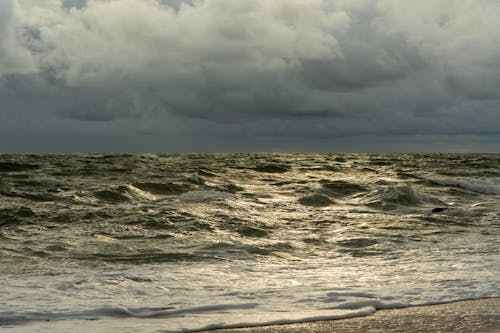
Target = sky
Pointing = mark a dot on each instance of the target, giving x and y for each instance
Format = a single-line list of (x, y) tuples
[(249, 76)]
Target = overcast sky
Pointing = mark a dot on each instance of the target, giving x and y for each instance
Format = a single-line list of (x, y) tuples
[(250, 75)]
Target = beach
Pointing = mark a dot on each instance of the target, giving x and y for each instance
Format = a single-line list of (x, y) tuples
[(481, 316)]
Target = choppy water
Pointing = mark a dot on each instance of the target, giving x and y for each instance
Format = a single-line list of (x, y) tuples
[(168, 243)]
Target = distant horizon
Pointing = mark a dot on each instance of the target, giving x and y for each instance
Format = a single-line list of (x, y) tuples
[(247, 152)]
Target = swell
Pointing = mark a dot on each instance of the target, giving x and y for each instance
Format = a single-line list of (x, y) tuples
[(182, 204), (16, 215), (392, 197), (17, 167), (143, 258), (161, 188), (482, 186)]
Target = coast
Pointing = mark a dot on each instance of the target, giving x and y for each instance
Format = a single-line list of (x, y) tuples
[(481, 316)]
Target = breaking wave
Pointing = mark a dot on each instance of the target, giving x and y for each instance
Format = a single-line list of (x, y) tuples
[(394, 197), (477, 185), (13, 318)]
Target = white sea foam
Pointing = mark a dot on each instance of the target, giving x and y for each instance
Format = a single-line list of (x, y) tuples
[(138, 194), (182, 298), (485, 186)]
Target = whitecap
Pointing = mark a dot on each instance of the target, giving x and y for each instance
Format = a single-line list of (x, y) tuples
[(478, 185)]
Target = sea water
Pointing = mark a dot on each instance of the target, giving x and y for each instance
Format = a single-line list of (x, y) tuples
[(178, 243)]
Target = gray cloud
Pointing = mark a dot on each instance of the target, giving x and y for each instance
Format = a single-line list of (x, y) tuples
[(79, 4), (14, 58), (314, 69)]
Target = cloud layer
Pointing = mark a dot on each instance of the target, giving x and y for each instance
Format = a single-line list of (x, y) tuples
[(307, 68)]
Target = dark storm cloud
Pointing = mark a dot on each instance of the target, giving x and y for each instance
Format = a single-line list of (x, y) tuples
[(315, 68)]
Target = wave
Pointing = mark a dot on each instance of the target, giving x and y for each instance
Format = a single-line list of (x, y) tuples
[(300, 317), (143, 258), (341, 188), (43, 182), (231, 188), (196, 179), (205, 196), (112, 196), (365, 247), (479, 186), (271, 168), (276, 249), (161, 188), (357, 242), (248, 231), (50, 182), (394, 197), (115, 195), (16, 215), (16, 167), (16, 318), (316, 200), (489, 172), (36, 197), (206, 173)]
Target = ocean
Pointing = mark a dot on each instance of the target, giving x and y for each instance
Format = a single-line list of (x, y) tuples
[(183, 242)]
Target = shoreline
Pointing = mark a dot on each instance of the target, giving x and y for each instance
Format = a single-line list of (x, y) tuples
[(480, 316)]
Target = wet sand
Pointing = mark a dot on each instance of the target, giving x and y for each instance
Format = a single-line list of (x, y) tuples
[(481, 316)]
